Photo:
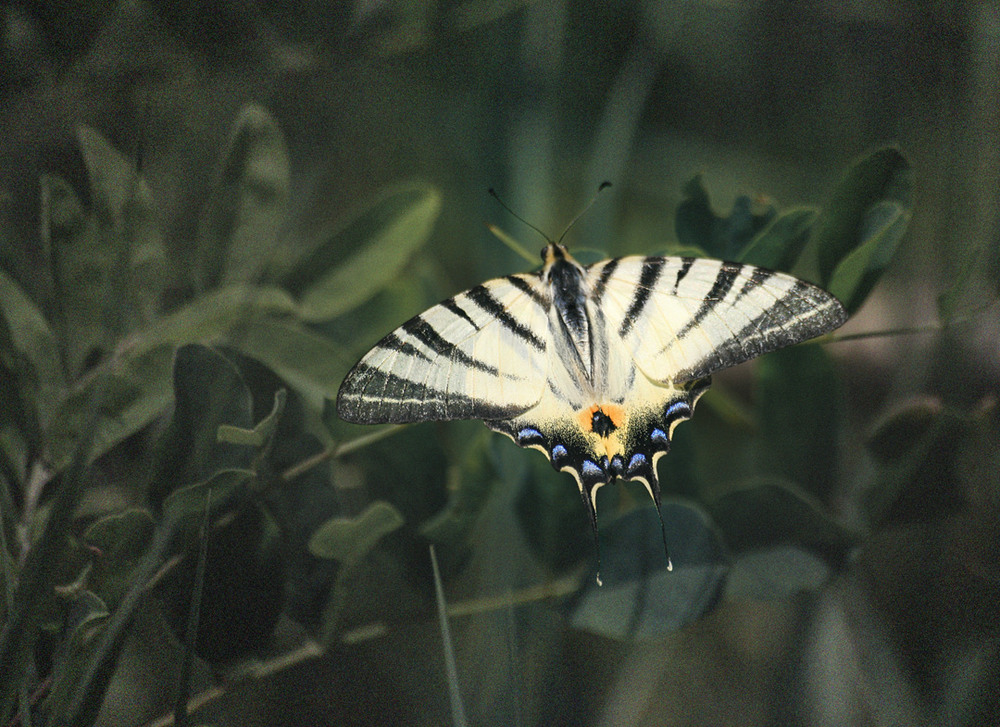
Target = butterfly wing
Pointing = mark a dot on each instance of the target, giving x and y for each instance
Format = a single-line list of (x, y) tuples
[(479, 355), (684, 318)]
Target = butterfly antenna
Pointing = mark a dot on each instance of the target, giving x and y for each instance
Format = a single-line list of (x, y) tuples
[(494, 195), (601, 187)]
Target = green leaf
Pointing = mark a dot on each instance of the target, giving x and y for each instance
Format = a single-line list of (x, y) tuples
[(112, 176), (778, 245), (311, 364), (874, 192), (897, 435), (126, 220), (469, 485), (249, 207), (548, 509), (121, 540), (187, 504), (208, 392), (261, 435), (137, 390), (140, 384), (978, 279), (916, 449), (775, 573), (800, 409), (770, 511), (640, 598), (212, 315), (127, 247), (83, 261), (880, 234), (28, 347), (86, 620), (348, 540), (382, 240), (698, 226)]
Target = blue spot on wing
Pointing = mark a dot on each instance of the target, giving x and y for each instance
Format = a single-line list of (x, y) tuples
[(659, 436), (529, 435), (678, 408)]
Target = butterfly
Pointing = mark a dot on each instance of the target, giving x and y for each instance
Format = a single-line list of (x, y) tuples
[(595, 365)]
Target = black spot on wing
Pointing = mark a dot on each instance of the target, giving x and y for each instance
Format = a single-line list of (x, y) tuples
[(651, 269), (601, 424), (482, 297)]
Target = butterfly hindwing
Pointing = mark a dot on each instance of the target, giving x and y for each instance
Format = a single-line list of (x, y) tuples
[(479, 355)]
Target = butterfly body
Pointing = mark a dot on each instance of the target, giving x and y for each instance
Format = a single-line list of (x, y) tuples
[(592, 365)]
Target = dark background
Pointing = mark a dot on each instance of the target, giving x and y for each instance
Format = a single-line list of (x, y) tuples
[(543, 101)]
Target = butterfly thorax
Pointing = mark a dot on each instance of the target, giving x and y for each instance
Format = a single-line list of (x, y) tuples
[(565, 279)]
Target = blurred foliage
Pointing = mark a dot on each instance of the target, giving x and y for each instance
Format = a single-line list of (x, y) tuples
[(153, 373), (113, 352)]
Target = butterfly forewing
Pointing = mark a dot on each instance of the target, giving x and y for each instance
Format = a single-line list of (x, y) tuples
[(479, 355), (684, 318)]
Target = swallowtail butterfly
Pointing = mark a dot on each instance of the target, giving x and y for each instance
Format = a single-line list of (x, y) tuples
[(592, 365)]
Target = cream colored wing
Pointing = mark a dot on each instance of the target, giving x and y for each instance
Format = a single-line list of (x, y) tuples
[(684, 318), (480, 355)]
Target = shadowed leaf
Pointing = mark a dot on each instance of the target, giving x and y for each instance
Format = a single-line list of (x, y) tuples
[(778, 245), (349, 539), (249, 206), (640, 598), (868, 209), (800, 414), (382, 240), (775, 573), (698, 226), (769, 512)]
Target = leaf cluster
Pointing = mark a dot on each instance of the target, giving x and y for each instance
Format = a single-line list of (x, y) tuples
[(160, 436), (168, 441)]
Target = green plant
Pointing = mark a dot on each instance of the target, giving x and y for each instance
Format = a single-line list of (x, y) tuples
[(129, 424)]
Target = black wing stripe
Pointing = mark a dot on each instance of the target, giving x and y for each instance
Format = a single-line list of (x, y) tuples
[(651, 269), (392, 342), (804, 316), (602, 281), (452, 305), (525, 287), (359, 404), (757, 278), (724, 280), (483, 298), (424, 332), (686, 264)]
